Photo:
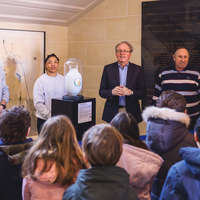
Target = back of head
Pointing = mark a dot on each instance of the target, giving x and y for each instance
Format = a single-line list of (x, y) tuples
[(102, 145), (173, 100), (14, 125), (56, 143), (127, 125)]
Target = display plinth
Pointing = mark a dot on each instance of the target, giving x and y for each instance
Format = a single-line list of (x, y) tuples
[(82, 113)]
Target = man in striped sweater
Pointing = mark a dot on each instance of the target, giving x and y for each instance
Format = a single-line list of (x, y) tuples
[(183, 79)]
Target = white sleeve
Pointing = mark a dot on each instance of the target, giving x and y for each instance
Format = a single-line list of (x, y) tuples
[(5, 91), (39, 100), (25, 190)]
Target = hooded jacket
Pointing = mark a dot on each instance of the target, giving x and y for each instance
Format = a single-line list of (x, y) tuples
[(11, 158), (166, 133), (142, 166), (101, 183), (183, 179)]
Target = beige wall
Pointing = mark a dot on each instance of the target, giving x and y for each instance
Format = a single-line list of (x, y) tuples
[(56, 37), (56, 42), (92, 39)]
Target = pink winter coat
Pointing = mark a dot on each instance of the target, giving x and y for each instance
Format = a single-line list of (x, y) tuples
[(42, 188), (142, 166)]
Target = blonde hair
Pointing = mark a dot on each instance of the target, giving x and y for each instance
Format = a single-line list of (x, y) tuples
[(102, 145), (57, 144)]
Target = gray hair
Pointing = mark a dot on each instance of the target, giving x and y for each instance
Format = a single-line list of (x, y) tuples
[(124, 42)]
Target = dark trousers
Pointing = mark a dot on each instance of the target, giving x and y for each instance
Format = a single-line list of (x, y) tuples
[(40, 123)]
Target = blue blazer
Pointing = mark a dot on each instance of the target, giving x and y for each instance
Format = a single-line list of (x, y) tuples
[(134, 81)]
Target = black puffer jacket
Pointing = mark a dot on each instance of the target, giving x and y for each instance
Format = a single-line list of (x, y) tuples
[(166, 133), (11, 158), (101, 183)]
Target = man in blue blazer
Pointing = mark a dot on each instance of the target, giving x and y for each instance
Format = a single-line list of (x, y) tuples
[(122, 84)]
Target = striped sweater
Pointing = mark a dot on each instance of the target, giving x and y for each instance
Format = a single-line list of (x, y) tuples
[(186, 82)]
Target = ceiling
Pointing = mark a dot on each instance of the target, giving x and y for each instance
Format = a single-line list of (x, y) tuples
[(55, 12)]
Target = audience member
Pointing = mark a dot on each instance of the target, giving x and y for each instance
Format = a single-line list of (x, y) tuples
[(167, 131), (141, 164), (127, 125), (102, 145), (53, 161), (14, 127), (183, 179), (48, 86)]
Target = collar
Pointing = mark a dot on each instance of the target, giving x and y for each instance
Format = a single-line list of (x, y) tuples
[(186, 68), (122, 67)]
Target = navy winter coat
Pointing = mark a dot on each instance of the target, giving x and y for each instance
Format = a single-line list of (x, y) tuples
[(166, 133), (183, 179)]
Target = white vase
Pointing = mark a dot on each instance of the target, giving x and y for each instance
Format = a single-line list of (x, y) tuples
[(73, 82)]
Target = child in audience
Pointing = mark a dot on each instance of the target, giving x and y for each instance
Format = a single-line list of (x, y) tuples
[(167, 131), (183, 179), (102, 145), (14, 127), (127, 125), (141, 164), (53, 161)]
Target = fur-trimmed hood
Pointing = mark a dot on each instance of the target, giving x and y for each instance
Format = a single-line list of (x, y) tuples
[(166, 128), (16, 152), (165, 114)]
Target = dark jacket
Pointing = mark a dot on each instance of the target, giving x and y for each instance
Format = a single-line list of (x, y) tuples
[(134, 81), (11, 158), (166, 133), (183, 179), (101, 183)]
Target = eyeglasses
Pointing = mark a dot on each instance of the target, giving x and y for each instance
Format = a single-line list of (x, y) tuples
[(122, 51)]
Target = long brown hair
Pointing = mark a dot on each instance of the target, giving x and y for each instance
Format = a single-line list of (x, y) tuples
[(57, 144), (127, 125)]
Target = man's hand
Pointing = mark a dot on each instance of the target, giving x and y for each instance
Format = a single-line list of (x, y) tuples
[(117, 91), (121, 91), (126, 91)]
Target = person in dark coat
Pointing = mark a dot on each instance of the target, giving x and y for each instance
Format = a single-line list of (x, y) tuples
[(167, 131), (102, 145), (183, 179), (14, 127), (122, 84)]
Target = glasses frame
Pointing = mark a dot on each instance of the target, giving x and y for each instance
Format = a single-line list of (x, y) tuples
[(122, 51)]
